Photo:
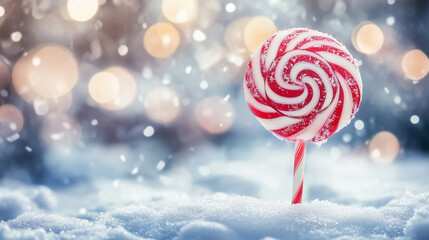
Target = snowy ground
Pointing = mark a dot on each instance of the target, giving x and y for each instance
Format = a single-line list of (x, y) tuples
[(238, 196)]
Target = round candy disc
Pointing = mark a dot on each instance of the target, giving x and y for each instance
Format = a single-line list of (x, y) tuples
[(302, 84)]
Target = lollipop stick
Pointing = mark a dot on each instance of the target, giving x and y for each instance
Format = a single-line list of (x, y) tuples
[(298, 171)]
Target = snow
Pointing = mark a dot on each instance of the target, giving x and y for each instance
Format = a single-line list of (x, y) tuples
[(221, 216), (418, 226), (220, 195), (205, 230), (11, 205)]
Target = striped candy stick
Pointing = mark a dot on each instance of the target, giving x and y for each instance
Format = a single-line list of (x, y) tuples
[(298, 171)]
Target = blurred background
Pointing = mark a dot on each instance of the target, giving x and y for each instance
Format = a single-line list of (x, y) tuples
[(133, 89)]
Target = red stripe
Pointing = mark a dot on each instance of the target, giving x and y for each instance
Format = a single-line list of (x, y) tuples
[(314, 38), (297, 198), (251, 85), (264, 115), (282, 48), (264, 52), (352, 84), (299, 154), (293, 129), (273, 85), (331, 125)]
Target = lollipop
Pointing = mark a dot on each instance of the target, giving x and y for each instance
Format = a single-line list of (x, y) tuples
[(302, 85)]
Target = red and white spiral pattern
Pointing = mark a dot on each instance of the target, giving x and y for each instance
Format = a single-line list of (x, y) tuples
[(302, 84)]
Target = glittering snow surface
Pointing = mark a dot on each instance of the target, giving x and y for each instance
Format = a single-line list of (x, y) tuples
[(244, 198)]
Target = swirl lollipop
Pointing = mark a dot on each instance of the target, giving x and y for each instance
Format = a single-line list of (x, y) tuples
[(302, 85)]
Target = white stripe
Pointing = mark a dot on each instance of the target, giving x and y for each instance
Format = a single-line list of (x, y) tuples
[(302, 36), (285, 100), (252, 101), (311, 105), (344, 63), (274, 47), (298, 177), (323, 43), (278, 122), (348, 104), (278, 74), (282, 63), (256, 72), (323, 76), (318, 122)]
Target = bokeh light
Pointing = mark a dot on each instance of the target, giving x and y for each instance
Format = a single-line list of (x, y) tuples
[(215, 115), (127, 89), (367, 38), (103, 87), (2, 15), (179, 11), (359, 124), (123, 50), (21, 82), (199, 36), (11, 120), (415, 64), (4, 75), (161, 40), (82, 10), (162, 105), (49, 71), (20, 78), (384, 147), (148, 131), (60, 130), (230, 7), (414, 119), (16, 36), (390, 20), (257, 31)]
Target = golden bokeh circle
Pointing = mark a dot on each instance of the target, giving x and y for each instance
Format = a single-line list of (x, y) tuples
[(415, 64), (179, 11), (127, 89), (21, 82), (257, 30), (49, 71), (367, 38), (20, 77), (384, 147), (82, 10), (103, 87), (161, 40)]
